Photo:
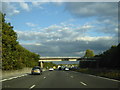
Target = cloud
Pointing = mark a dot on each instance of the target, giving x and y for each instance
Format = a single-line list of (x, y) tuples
[(9, 8), (106, 26), (24, 6), (64, 33), (69, 39), (64, 40), (38, 4), (90, 9), (31, 24), (35, 44), (88, 38), (71, 48)]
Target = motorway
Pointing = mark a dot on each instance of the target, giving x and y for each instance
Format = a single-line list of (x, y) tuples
[(59, 79)]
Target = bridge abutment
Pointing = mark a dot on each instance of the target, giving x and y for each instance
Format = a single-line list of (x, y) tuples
[(40, 64)]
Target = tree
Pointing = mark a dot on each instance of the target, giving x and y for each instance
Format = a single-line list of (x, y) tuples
[(89, 53), (49, 64), (14, 56), (110, 58)]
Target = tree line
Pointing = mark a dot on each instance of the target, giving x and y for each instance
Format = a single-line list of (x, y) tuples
[(49, 65), (108, 59), (14, 56)]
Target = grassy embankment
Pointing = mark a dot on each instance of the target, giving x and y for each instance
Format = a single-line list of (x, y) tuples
[(10, 73), (113, 74)]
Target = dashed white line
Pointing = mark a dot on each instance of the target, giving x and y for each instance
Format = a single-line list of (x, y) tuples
[(44, 77), (83, 83), (32, 86), (71, 76)]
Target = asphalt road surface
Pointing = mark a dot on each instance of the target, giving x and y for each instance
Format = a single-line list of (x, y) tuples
[(59, 79)]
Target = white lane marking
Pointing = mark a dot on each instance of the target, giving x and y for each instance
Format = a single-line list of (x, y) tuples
[(44, 77), (83, 83), (3, 80), (105, 78), (71, 76), (13, 78), (92, 75), (24, 75), (32, 86), (19, 76), (75, 72)]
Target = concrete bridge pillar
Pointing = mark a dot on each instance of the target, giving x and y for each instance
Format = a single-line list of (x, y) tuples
[(41, 64)]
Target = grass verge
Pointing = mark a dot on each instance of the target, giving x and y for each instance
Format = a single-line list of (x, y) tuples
[(112, 74)]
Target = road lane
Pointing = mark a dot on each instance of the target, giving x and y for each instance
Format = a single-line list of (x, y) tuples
[(95, 82), (60, 79), (24, 82)]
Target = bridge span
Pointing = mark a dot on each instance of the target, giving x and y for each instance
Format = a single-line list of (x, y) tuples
[(49, 59), (81, 59), (45, 59)]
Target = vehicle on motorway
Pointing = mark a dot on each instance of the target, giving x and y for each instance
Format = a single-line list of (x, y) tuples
[(66, 69), (51, 69), (59, 68), (36, 70), (74, 68)]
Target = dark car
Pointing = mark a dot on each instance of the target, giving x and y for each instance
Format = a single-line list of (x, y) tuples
[(36, 70), (59, 68)]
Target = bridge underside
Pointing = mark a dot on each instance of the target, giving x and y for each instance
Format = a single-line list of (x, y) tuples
[(47, 60), (67, 59), (82, 60), (55, 59)]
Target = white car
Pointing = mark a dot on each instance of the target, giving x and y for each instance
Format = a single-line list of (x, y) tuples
[(66, 69), (36, 70), (51, 69)]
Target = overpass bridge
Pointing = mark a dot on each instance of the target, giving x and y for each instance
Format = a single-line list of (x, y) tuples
[(45, 59), (49, 59)]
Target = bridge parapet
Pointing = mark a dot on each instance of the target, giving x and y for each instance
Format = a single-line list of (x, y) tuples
[(59, 58)]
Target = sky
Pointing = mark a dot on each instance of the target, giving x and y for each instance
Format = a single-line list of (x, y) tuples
[(56, 29)]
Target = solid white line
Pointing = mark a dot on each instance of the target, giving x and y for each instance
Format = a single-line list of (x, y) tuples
[(3, 80), (108, 78), (105, 78), (19, 76), (83, 83), (32, 86), (23, 75), (10, 78), (13, 78)]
